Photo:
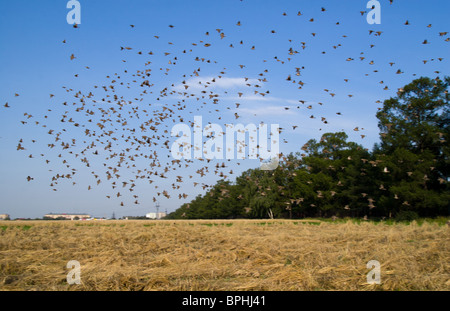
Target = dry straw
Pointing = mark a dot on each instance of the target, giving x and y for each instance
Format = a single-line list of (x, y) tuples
[(222, 255)]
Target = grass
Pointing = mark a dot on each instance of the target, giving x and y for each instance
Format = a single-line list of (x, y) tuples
[(311, 254), (24, 227)]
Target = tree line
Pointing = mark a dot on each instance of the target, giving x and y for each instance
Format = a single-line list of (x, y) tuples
[(406, 173)]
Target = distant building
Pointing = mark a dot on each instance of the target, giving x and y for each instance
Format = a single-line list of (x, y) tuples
[(67, 216), (4, 217), (156, 215)]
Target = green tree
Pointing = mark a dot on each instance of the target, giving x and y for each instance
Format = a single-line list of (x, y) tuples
[(417, 119), (414, 149), (407, 173)]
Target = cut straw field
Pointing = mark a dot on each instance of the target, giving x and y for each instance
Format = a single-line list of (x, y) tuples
[(223, 255)]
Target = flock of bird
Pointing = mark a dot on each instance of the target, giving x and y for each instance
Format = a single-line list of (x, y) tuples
[(123, 140)]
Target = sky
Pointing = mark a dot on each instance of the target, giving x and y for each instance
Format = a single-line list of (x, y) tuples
[(281, 67)]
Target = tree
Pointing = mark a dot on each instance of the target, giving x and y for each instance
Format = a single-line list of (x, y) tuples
[(417, 119), (414, 149), (407, 173)]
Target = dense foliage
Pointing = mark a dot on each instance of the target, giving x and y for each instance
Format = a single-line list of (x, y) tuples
[(407, 173)]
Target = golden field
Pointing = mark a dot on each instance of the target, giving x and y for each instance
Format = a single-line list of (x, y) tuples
[(223, 255)]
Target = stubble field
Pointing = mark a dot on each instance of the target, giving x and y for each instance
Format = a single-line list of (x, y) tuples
[(223, 255)]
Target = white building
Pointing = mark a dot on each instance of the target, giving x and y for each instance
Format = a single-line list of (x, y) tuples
[(67, 216), (156, 215), (4, 216)]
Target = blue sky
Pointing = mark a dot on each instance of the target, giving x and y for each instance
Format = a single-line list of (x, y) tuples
[(36, 63)]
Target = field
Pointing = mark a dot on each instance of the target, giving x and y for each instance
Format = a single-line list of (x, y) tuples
[(223, 255)]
